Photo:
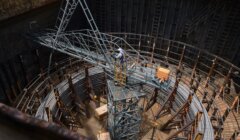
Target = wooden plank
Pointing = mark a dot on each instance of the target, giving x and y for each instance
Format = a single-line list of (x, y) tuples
[(199, 136), (101, 111), (103, 136)]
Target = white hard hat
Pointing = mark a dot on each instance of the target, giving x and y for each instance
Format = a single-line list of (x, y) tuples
[(120, 50)]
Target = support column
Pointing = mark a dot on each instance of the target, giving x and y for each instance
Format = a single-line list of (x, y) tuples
[(227, 77), (204, 99), (181, 58), (167, 52), (225, 114), (193, 74), (209, 104), (235, 104), (196, 83), (214, 116), (210, 72), (154, 44), (139, 49)]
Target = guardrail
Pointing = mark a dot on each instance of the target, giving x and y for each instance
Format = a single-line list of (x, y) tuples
[(216, 75), (213, 79), (39, 87)]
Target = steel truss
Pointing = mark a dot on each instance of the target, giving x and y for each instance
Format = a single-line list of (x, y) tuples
[(97, 48), (124, 117), (124, 114)]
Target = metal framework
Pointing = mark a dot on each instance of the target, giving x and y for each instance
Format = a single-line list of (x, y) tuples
[(124, 114), (199, 64), (96, 48), (124, 117)]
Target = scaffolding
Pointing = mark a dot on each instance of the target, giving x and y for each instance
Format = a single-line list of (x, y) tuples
[(124, 114)]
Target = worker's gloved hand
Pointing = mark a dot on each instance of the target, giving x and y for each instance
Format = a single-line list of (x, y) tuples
[(113, 55)]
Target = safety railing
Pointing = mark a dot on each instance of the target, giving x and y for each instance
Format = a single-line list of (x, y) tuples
[(38, 88), (214, 80), (212, 74)]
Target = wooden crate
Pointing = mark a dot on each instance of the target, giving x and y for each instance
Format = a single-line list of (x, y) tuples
[(103, 136), (101, 111), (162, 73), (149, 65)]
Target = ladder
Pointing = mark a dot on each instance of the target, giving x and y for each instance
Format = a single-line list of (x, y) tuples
[(99, 37), (156, 18), (64, 17), (65, 14), (120, 73)]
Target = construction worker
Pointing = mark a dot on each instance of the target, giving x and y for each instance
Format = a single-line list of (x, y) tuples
[(121, 71), (120, 55)]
